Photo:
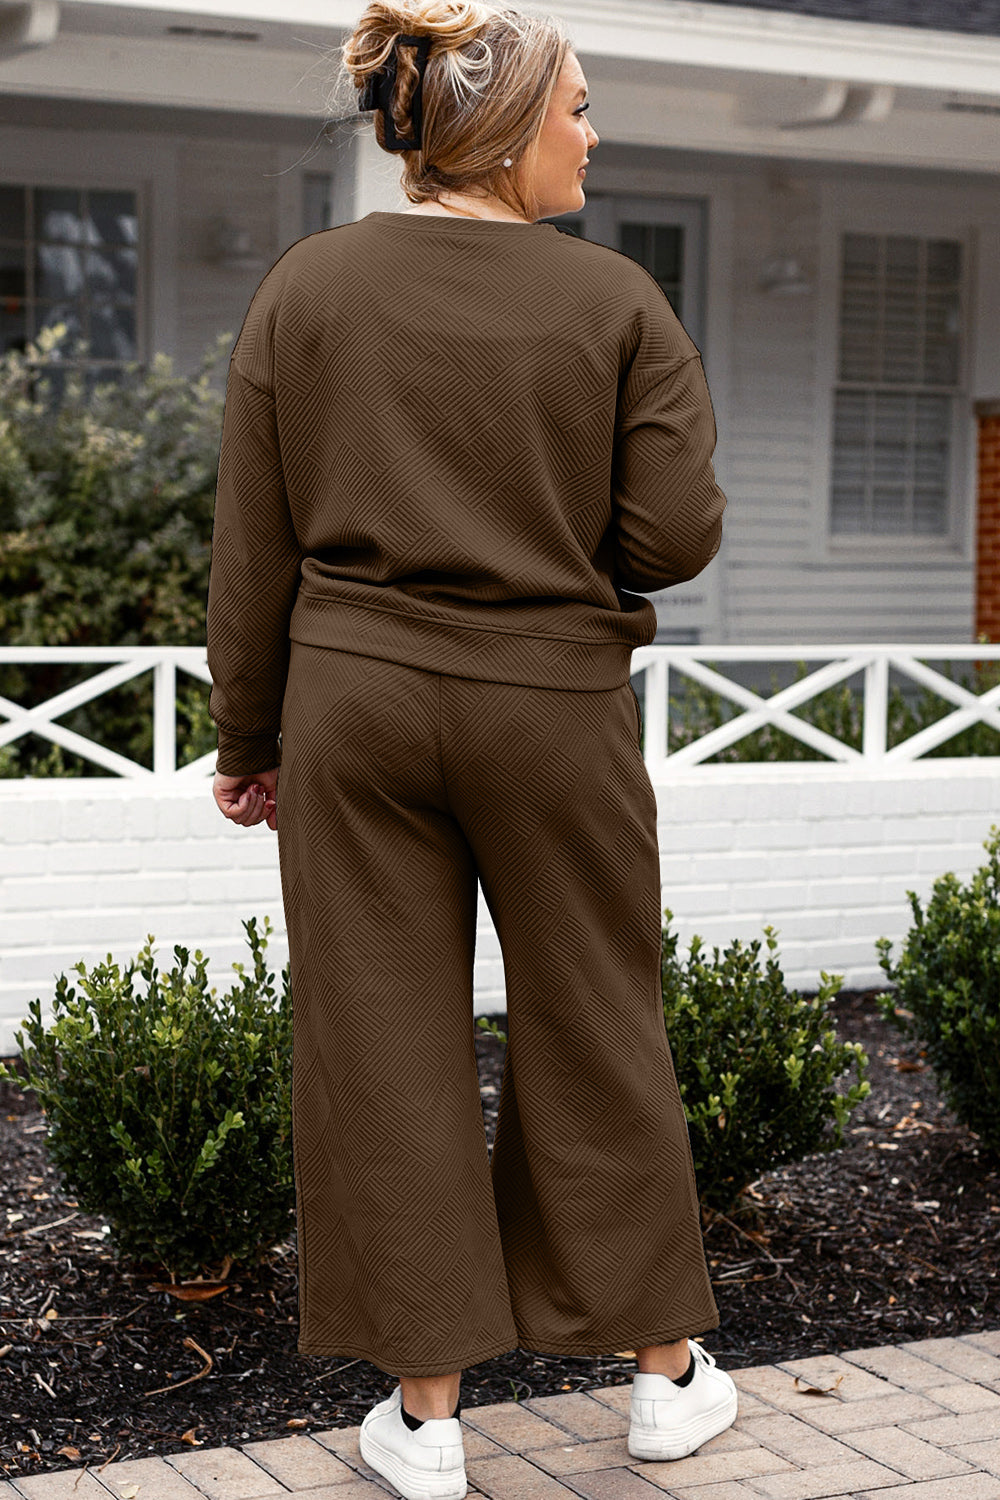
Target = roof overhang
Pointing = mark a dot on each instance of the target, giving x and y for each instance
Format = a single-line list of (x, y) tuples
[(666, 72), (741, 39)]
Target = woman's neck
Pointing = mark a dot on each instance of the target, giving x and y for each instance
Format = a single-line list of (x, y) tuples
[(468, 208)]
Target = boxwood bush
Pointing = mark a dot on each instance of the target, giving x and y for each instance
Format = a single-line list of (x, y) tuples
[(758, 1065), (169, 1107), (946, 990)]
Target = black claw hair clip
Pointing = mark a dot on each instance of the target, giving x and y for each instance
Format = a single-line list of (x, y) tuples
[(378, 90)]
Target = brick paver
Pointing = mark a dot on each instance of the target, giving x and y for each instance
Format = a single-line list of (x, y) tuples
[(514, 1478), (514, 1425), (63, 1485), (705, 1466), (299, 1463), (774, 1387), (613, 1484), (963, 1396), (958, 1356), (838, 1417), (898, 1366), (827, 1479), (919, 1421), (154, 1476), (983, 1455), (729, 1489), (911, 1455), (825, 1370), (796, 1440), (226, 1474), (574, 1458), (972, 1427), (579, 1414), (964, 1487)]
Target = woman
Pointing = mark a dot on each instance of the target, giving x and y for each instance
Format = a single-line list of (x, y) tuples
[(458, 445)]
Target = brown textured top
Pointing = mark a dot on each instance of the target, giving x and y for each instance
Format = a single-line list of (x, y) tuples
[(465, 445)]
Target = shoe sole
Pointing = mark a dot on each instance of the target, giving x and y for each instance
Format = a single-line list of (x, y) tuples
[(412, 1483), (651, 1443)]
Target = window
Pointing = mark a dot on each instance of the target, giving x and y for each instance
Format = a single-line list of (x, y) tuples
[(70, 255), (660, 248), (897, 385)]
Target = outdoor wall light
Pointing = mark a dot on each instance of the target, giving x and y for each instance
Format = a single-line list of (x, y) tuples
[(783, 276), (788, 213), (230, 247)]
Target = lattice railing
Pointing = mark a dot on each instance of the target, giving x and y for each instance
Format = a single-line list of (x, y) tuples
[(836, 664), (661, 670), (121, 664)]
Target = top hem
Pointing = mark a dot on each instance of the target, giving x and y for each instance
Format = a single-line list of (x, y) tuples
[(464, 650)]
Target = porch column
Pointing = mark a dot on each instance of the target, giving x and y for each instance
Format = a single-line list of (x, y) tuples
[(988, 521)]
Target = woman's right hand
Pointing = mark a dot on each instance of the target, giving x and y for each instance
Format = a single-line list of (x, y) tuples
[(248, 800)]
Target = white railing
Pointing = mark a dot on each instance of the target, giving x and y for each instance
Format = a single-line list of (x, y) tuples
[(122, 664), (839, 663), (654, 663)]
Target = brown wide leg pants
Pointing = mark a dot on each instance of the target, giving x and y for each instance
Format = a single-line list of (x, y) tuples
[(581, 1234)]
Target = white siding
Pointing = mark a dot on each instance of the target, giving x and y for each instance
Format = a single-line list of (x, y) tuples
[(228, 179), (770, 359), (783, 580)]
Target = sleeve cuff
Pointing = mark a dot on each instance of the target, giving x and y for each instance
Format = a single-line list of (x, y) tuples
[(247, 754)]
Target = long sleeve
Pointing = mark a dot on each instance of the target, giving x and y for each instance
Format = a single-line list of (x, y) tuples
[(254, 579), (667, 505), (466, 446)]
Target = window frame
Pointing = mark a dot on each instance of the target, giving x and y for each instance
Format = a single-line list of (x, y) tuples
[(93, 365), (891, 209), (112, 161), (600, 217)]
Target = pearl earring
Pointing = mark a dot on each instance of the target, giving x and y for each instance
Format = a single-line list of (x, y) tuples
[(508, 162)]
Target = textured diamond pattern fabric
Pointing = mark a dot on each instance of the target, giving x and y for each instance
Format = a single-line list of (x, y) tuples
[(467, 446), (581, 1235)]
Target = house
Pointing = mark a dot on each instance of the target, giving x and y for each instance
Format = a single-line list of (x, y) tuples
[(814, 183)]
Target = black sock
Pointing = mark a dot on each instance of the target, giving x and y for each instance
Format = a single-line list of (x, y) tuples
[(414, 1422), (688, 1375)]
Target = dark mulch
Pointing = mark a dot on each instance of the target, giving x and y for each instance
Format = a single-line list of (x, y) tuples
[(892, 1238)]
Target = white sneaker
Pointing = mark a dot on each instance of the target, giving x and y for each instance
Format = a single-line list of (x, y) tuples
[(671, 1421), (426, 1464)]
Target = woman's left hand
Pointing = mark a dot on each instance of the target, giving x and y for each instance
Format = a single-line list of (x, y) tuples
[(248, 799)]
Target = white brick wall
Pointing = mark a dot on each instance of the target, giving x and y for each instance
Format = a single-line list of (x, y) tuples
[(824, 853)]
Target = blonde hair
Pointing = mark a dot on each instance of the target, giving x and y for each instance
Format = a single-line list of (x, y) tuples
[(489, 77)]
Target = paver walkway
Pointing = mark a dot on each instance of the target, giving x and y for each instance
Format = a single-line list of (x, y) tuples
[(916, 1421)]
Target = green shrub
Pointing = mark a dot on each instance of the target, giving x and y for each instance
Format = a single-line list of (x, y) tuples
[(169, 1108), (756, 1063), (106, 505), (946, 990)]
